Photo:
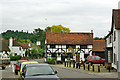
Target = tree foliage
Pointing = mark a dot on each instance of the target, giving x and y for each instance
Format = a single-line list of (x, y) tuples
[(59, 28), (98, 38)]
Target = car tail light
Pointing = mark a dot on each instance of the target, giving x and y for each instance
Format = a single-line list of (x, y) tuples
[(17, 66)]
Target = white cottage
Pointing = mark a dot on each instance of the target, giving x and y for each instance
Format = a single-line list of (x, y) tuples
[(17, 48), (77, 46), (113, 41)]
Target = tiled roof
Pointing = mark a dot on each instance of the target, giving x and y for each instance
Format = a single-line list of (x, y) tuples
[(116, 18), (24, 46), (69, 38), (98, 45), (4, 45)]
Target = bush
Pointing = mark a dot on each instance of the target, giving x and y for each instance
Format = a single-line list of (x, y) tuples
[(51, 60), (15, 58)]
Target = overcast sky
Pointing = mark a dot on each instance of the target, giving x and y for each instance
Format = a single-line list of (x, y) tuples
[(78, 15)]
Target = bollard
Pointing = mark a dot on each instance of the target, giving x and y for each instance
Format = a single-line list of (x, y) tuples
[(69, 64), (98, 68), (65, 64), (84, 66), (79, 65), (109, 68), (93, 68), (88, 67), (73, 64)]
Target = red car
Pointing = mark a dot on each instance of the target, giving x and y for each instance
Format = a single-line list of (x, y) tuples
[(95, 60), (18, 65)]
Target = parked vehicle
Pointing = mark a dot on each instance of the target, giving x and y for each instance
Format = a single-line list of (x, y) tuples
[(18, 65), (38, 71), (4, 62), (23, 64), (95, 60)]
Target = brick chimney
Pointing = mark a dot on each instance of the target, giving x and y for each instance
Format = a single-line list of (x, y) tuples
[(91, 31)]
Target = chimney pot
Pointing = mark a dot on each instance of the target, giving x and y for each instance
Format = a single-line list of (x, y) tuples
[(91, 31)]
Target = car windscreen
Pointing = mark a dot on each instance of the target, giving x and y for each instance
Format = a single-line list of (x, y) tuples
[(39, 70)]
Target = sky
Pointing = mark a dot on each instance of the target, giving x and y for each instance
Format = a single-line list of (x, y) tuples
[(78, 15)]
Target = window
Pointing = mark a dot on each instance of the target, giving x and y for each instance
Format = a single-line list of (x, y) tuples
[(52, 46), (15, 54), (97, 57), (115, 58), (89, 57), (92, 57), (114, 35), (73, 46), (110, 39), (20, 48), (83, 46)]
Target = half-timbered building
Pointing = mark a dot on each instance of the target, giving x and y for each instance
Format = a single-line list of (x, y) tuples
[(76, 46)]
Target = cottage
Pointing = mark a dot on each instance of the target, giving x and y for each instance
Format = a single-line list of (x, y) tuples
[(4, 49), (13, 46), (99, 48), (113, 41), (76, 46)]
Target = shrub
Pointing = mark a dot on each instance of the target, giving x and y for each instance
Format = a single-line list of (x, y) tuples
[(51, 60), (14, 58)]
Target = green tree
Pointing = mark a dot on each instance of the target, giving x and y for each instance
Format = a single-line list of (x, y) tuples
[(59, 28)]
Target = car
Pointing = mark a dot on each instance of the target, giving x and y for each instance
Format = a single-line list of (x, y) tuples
[(23, 64), (17, 65), (95, 60), (4, 62), (38, 71)]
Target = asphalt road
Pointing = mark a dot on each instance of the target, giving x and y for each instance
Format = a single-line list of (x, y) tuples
[(62, 73)]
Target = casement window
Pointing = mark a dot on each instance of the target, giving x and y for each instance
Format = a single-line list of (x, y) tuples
[(83, 46), (52, 46), (73, 46), (114, 35), (20, 48)]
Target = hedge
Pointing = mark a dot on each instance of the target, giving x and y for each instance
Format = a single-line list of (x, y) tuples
[(15, 58)]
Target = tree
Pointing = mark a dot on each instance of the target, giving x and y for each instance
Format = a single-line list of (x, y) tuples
[(59, 28), (98, 38)]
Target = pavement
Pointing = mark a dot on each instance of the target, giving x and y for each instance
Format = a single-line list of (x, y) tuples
[(97, 75)]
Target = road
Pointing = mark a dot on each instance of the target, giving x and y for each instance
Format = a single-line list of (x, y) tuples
[(62, 73)]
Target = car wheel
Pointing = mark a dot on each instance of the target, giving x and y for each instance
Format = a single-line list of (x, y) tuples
[(3, 67)]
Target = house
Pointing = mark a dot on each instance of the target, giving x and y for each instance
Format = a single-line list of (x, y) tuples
[(99, 48), (113, 41), (13, 46), (4, 49), (76, 46)]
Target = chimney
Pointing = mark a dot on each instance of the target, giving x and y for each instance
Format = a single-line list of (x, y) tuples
[(10, 41), (91, 31)]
